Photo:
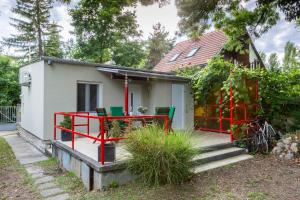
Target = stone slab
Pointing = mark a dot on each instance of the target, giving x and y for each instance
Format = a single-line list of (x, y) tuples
[(31, 169), (44, 179), (59, 197), (51, 192), (47, 186)]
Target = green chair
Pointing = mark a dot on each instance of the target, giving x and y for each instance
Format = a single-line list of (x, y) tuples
[(170, 111), (118, 111), (107, 123), (161, 111), (171, 116)]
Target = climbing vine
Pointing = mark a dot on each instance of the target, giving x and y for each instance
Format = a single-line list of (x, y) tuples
[(279, 91)]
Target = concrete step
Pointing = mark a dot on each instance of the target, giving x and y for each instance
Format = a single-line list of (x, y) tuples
[(216, 155), (220, 163), (215, 147)]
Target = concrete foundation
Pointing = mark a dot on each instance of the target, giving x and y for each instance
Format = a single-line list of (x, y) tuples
[(93, 175)]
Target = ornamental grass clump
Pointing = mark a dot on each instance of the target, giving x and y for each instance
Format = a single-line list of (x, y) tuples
[(158, 158)]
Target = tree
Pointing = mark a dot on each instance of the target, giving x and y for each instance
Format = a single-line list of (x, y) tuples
[(263, 56), (100, 25), (10, 91), (291, 56), (31, 22), (129, 54), (273, 63), (53, 43), (158, 45)]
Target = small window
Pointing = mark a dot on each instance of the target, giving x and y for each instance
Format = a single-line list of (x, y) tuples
[(175, 57), (192, 52), (87, 97)]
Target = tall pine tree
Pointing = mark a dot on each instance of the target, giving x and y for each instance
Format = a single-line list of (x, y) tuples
[(53, 44), (31, 23), (158, 45)]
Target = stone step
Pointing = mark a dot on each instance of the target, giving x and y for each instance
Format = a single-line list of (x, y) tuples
[(220, 163), (216, 155), (209, 148)]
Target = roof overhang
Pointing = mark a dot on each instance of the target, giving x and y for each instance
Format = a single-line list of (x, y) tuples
[(139, 73)]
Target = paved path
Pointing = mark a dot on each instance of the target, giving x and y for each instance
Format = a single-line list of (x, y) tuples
[(29, 156)]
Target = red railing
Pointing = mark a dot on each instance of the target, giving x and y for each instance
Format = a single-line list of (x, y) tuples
[(101, 119)]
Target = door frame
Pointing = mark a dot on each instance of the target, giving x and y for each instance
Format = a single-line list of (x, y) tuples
[(182, 100)]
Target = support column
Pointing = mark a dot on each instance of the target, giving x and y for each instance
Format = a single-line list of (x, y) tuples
[(126, 95), (231, 112)]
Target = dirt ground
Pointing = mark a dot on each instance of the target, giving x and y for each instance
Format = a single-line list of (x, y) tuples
[(14, 182)]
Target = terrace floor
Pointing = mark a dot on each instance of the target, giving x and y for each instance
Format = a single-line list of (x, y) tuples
[(200, 139)]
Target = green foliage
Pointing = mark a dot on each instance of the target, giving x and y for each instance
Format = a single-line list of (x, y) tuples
[(100, 25), (208, 79), (159, 158), (158, 45), (273, 63), (129, 54), (291, 56), (115, 129), (10, 91), (67, 122), (279, 91), (53, 43), (31, 20)]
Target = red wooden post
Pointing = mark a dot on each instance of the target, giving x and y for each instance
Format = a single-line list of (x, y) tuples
[(166, 124), (231, 112), (102, 140), (221, 112), (54, 126), (88, 126), (126, 95), (73, 122)]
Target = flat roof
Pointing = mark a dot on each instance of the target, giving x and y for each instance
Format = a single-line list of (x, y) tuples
[(120, 70)]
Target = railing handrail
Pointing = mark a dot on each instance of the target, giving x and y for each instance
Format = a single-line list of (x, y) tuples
[(102, 120)]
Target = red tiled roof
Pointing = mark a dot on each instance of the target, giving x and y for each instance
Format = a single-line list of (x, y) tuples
[(209, 45)]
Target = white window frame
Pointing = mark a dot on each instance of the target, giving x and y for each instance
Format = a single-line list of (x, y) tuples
[(174, 57), (192, 52), (87, 94)]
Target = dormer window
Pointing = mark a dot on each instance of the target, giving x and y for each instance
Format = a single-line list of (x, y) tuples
[(192, 52), (175, 57)]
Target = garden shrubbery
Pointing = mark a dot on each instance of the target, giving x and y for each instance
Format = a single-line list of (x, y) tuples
[(159, 158)]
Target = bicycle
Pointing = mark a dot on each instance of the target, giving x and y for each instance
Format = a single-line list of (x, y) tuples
[(262, 135)]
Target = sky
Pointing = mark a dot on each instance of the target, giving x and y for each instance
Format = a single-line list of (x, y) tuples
[(273, 41)]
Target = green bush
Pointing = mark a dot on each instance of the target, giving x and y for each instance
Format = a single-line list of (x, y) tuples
[(67, 122), (158, 158)]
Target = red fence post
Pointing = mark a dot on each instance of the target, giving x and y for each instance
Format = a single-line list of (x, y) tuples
[(102, 139), (88, 122), (231, 112), (167, 124), (73, 121), (54, 126), (221, 112)]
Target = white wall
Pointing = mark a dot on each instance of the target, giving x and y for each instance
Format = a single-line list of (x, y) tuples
[(252, 54), (61, 91), (54, 89), (32, 100)]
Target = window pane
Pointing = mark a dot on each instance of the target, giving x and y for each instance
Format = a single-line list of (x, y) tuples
[(80, 97), (93, 97), (175, 57), (192, 52)]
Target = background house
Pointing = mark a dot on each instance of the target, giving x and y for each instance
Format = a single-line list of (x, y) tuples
[(54, 85), (197, 52)]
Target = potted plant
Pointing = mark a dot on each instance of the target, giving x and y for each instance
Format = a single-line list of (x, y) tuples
[(67, 124), (142, 109), (110, 147)]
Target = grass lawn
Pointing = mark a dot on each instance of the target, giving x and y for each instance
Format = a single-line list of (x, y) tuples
[(257, 179), (15, 183)]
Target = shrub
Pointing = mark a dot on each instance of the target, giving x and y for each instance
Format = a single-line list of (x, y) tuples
[(158, 158), (67, 122)]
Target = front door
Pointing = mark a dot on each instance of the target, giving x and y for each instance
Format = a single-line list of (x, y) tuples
[(178, 102), (135, 98)]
